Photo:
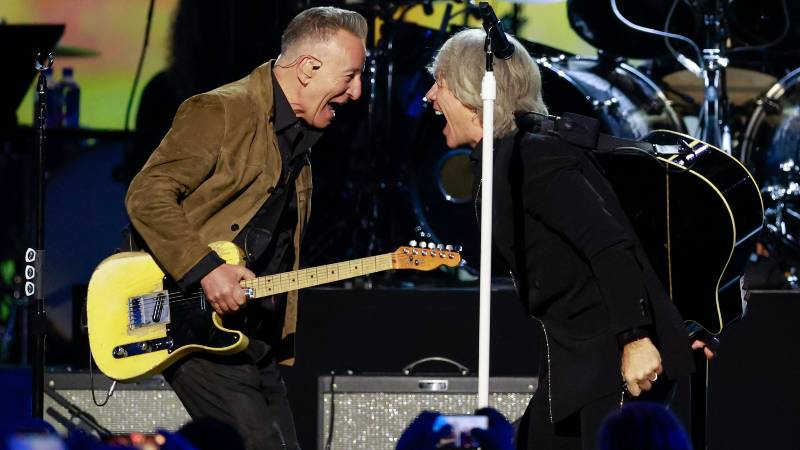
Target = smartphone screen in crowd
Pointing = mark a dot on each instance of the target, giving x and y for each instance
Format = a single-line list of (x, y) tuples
[(462, 426)]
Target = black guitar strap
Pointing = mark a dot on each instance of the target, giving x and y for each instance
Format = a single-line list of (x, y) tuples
[(582, 131)]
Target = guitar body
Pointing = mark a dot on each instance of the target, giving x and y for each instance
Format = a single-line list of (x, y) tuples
[(698, 216), (124, 345)]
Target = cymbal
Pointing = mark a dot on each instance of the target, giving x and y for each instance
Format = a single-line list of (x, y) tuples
[(743, 84), (68, 51)]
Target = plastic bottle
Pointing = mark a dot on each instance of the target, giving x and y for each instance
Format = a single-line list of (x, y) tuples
[(71, 95)]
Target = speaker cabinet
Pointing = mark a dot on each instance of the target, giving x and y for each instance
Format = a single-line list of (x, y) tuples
[(142, 406), (371, 412)]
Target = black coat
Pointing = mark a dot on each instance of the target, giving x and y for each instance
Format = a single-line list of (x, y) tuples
[(579, 266)]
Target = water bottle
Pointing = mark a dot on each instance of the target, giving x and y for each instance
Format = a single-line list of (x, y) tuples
[(54, 101), (71, 95)]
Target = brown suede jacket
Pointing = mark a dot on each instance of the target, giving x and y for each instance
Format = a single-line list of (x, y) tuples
[(211, 174)]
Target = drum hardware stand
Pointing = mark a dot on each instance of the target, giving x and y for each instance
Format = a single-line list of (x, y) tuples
[(34, 258), (714, 113), (373, 164), (715, 110)]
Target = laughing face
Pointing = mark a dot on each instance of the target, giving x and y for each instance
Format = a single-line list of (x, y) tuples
[(463, 125), (332, 79)]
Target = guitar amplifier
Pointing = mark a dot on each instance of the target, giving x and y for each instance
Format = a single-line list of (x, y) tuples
[(141, 406), (371, 412)]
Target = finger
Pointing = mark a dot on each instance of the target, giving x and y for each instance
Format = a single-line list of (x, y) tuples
[(226, 303), (709, 354), (697, 344), (239, 297), (246, 274), (645, 385), (660, 369), (633, 389), (233, 303)]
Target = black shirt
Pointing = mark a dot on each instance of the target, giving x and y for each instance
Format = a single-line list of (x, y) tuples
[(268, 239)]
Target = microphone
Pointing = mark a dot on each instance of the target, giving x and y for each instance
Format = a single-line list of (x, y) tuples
[(501, 48)]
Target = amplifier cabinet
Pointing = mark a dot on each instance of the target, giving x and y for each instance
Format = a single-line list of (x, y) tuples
[(371, 412), (142, 406)]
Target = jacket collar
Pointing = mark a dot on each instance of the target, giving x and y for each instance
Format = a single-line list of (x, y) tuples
[(261, 85)]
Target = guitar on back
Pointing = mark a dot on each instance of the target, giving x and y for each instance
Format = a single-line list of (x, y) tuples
[(138, 327), (698, 212)]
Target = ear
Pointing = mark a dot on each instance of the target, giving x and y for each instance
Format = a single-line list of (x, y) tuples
[(307, 69)]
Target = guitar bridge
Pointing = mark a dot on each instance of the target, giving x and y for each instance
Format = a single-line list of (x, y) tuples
[(148, 310), (138, 348)]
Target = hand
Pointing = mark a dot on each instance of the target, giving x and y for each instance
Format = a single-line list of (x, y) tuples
[(420, 435), (222, 287), (499, 435), (641, 365), (698, 344)]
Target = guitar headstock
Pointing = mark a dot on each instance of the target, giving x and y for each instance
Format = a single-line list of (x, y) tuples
[(426, 256)]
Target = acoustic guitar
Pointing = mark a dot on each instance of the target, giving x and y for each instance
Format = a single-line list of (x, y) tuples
[(698, 212)]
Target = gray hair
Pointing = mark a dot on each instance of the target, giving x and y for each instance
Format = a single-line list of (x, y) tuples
[(320, 23), (461, 63)]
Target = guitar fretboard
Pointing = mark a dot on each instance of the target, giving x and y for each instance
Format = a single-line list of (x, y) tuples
[(313, 276)]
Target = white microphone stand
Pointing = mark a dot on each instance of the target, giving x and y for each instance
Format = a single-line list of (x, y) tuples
[(488, 95)]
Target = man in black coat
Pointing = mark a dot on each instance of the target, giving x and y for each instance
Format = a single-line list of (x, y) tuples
[(609, 327)]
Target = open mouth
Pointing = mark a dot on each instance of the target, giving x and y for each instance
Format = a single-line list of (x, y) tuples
[(334, 106)]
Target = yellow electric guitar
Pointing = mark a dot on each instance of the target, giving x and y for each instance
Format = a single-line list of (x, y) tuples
[(137, 327)]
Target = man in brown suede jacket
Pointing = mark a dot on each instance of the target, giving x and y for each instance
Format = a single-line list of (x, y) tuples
[(234, 167)]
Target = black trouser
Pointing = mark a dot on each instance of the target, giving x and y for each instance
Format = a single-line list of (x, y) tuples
[(580, 430), (248, 395)]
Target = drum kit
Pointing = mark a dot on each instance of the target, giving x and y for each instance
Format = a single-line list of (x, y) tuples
[(739, 90)]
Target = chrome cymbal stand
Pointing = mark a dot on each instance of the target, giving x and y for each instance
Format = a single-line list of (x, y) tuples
[(716, 109)]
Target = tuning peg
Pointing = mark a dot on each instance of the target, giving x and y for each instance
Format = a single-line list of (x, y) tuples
[(439, 246), (413, 243), (459, 248), (431, 245), (423, 244), (448, 247)]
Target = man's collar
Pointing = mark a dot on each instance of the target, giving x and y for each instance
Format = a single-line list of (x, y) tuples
[(284, 115)]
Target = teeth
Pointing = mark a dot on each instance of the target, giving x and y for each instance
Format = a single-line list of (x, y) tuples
[(438, 113)]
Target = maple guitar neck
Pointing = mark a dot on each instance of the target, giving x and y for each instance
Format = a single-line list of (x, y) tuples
[(314, 276)]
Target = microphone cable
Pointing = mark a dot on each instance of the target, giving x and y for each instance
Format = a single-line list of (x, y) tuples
[(140, 64)]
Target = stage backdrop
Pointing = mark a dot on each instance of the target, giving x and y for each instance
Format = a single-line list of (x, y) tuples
[(115, 30)]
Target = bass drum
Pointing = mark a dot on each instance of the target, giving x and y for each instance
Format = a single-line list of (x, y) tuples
[(626, 103), (771, 150)]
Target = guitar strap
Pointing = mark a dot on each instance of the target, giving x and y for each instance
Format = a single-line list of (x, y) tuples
[(584, 132)]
